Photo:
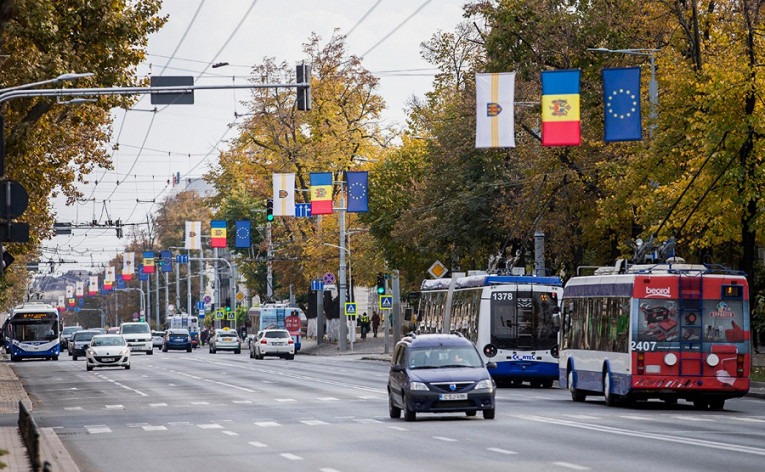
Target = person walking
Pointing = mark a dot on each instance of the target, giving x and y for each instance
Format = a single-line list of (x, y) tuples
[(364, 322), (375, 323)]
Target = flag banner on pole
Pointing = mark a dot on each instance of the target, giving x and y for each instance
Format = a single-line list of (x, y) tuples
[(79, 290), (142, 276), (108, 285), (111, 274), (167, 260), (218, 233), (69, 291), (560, 108), (495, 110), (621, 102), (242, 233), (128, 265), (358, 191), (148, 262), (61, 302), (321, 193), (284, 194), (193, 235), (93, 285), (70, 302)]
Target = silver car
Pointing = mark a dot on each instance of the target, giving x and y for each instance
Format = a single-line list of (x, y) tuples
[(107, 350), (225, 339), (273, 342)]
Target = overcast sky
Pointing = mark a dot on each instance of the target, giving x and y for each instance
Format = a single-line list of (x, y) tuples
[(187, 139)]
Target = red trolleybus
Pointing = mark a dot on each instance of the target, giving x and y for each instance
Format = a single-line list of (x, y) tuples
[(668, 331)]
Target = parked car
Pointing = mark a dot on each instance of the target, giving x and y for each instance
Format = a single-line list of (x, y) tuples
[(439, 373), (66, 335), (225, 339), (80, 341), (272, 342), (107, 350), (157, 338), (177, 338), (138, 336)]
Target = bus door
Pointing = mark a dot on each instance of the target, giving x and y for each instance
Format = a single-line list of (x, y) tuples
[(512, 320), (689, 306)]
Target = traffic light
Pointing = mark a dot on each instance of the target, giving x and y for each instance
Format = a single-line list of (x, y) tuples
[(269, 210), (303, 75), (380, 283)]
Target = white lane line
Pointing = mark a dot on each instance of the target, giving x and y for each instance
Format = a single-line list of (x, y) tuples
[(445, 439), (257, 444), (501, 451), (327, 469), (398, 428), (200, 403), (210, 426), (693, 418), (571, 466), (123, 385), (114, 407), (583, 417), (242, 402), (285, 400), (328, 399), (266, 424), (291, 457), (73, 408), (366, 420), (314, 422), (749, 420), (158, 405), (636, 417), (230, 433), (98, 429), (154, 428)]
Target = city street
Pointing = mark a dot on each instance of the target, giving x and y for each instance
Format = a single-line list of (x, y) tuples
[(197, 411)]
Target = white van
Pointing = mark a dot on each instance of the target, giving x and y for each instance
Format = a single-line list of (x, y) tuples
[(138, 336)]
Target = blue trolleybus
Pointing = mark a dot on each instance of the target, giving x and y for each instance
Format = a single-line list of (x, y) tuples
[(32, 331), (512, 319)]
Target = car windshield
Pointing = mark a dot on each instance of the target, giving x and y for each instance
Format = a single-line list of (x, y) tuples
[(136, 328), (440, 357), (226, 334), (84, 335), (71, 329), (277, 334), (107, 341)]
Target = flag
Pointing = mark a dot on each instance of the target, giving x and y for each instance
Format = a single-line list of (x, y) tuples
[(193, 235), (108, 285), (128, 265), (93, 285), (110, 274), (284, 194), (321, 193), (494, 110), (69, 291), (218, 233), (148, 262), (621, 102), (358, 186), (166, 258), (142, 276), (242, 233), (80, 289), (560, 108), (60, 302)]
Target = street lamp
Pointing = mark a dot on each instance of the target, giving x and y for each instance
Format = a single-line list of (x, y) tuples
[(60, 78), (653, 86)]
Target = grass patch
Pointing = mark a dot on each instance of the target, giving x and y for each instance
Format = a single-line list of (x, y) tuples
[(758, 374)]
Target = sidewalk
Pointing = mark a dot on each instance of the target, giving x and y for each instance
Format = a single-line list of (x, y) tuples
[(11, 392)]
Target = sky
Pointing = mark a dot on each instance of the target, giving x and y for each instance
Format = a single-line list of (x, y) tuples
[(150, 147)]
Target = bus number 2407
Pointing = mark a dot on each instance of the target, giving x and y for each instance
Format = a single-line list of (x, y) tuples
[(644, 345)]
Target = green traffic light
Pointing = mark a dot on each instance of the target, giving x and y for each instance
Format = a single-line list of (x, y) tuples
[(381, 290), (270, 217)]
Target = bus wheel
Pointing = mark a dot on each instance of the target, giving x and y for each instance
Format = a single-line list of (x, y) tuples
[(576, 395), (611, 399), (717, 404)]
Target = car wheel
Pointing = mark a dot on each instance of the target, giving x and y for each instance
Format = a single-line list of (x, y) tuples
[(89, 367), (489, 414), (409, 415), (149, 353), (238, 351), (547, 383), (164, 348), (188, 349), (290, 357), (127, 367), (55, 358), (471, 413), (393, 410), (74, 358)]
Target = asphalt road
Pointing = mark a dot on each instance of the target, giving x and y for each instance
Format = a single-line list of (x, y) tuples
[(226, 412)]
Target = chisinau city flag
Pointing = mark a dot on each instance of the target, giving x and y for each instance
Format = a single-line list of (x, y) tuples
[(494, 110)]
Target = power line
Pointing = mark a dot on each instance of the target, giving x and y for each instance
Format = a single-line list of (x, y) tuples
[(406, 20)]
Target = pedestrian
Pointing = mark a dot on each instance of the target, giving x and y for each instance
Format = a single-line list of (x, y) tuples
[(364, 321), (203, 336), (375, 323)]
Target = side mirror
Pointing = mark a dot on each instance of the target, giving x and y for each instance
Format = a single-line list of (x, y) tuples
[(491, 365), (396, 368)]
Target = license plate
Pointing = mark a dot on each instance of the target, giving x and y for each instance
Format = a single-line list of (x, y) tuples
[(107, 359), (453, 396), (278, 344), (228, 339)]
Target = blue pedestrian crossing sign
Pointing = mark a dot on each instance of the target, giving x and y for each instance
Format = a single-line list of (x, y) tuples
[(350, 309), (386, 302)]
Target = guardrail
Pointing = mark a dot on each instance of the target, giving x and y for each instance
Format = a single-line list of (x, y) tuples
[(30, 435)]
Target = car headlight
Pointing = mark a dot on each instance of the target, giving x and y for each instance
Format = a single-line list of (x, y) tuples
[(125, 351), (417, 386), (89, 352), (486, 384)]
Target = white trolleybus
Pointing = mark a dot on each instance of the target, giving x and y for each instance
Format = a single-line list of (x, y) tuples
[(512, 319), (32, 332), (669, 331)]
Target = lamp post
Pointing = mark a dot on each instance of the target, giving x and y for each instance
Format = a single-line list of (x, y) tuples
[(653, 86)]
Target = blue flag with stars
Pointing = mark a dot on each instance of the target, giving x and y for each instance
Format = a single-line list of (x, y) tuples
[(242, 233), (621, 101), (358, 185)]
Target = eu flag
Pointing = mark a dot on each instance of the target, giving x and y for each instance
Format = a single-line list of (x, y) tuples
[(621, 101), (242, 233), (358, 200)]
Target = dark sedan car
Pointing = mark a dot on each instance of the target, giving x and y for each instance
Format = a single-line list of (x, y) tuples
[(177, 339), (80, 341)]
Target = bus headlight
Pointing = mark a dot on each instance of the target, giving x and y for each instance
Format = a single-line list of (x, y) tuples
[(418, 386), (713, 360), (670, 359)]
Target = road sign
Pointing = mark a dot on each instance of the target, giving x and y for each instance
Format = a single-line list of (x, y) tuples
[(350, 309), (329, 278), (207, 299), (317, 285), (219, 314), (232, 316), (303, 210), (14, 206), (292, 324), (438, 270), (201, 316), (201, 306), (239, 296), (14, 232), (174, 97), (386, 302)]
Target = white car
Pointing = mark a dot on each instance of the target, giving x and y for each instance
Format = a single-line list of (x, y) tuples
[(225, 339), (107, 350), (157, 338), (273, 342), (138, 336)]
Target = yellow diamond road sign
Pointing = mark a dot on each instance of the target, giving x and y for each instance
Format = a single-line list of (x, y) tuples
[(438, 270), (239, 296)]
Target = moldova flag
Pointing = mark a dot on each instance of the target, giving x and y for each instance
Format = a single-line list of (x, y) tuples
[(321, 193), (560, 108), (148, 262), (218, 233)]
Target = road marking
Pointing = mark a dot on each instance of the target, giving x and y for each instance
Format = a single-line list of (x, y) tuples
[(122, 385), (284, 400), (571, 466), (230, 433), (398, 428), (636, 417), (210, 426), (291, 457), (445, 439), (314, 422), (98, 429), (73, 408), (266, 424), (200, 403), (327, 469), (114, 407), (328, 399), (501, 451), (693, 418), (257, 444), (749, 420), (154, 428), (583, 417), (366, 420), (242, 402), (158, 405)]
